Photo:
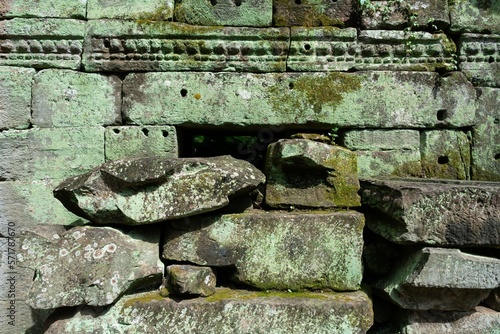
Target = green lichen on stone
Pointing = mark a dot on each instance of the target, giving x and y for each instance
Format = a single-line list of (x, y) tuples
[(310, 13), (143, 298), (152, 10), (226, 293)]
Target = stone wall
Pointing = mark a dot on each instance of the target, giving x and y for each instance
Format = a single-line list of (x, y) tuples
[(399, 88)]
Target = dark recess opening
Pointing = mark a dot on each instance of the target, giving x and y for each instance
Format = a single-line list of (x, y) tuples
[(442, 160), (441, 114)]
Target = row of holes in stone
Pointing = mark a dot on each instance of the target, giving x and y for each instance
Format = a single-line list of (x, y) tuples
[(239, 2), (145, 131)]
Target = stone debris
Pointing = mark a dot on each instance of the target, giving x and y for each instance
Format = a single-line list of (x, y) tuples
[(190, 280)]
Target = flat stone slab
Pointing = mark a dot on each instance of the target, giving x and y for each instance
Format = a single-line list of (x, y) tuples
[(43, 9), (309, 174), (152, 10), (275, 250), (479, 58), (148, 190), (314, 13), (236, 13), (93, 261), (401, 163), (381, 140), (15, 97), (112, 45), (229, 311), (441, 279), (362, 99), (49, 154), (434, 212), (41, 43), (63, 98), (475, 16)]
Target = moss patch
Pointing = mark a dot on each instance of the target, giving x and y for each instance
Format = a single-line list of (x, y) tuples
[(143, 298), (226, 293)]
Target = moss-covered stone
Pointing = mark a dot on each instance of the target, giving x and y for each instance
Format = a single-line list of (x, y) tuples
[(130, 9), (479, 59), (43, 8), (375, 140), (310, 13), (403, 163), (15, 97), (475, 16)]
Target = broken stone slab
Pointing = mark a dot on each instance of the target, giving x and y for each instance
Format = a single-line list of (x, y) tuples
[(150, 10), (190, 280), (309, 174), (49, 154), (250, 13), (99, 265), (15, 97), (441, 279), (475, 16), (129, 141), (402, 163), (446, 154), (318, 100), (113, 45), (434, 212), (275, 250), (229, 311), (63, 98), (381, 140), (41, 43), (312, 13), (148, 190), (43, 9), (493, 299), (486, 136), (479, 58)]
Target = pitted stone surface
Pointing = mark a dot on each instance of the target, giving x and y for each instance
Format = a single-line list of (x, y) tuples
[(479, 57), (43, 8), (151, 10), (190, 280), (148, 190), (311, 13), (41, 43), (229, 311), (15, 97), (475, 16), (275, 250), (433, 212), (112, 45), (90, 266)]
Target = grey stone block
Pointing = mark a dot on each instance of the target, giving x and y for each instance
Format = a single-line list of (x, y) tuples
[(15, 97)]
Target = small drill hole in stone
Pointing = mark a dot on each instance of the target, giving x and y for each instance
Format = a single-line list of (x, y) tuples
[(298, 2), (497, 121), (497, 156), (164, 133), (290, 85), (184, 92), (116, 131), (442, 160), (213, 2), (442, 114), (145, 132), (307, 47), (491, 60), (107, 43), (237, 2)]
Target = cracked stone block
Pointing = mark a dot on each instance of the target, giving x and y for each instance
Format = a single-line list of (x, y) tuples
[(479, 59), (43, 8), (433, 212), (310, 13), (475, 16), (246, 13), (190, 280), (41, 43), (147, 10), (63, 98), (15, 97), (129, 141)]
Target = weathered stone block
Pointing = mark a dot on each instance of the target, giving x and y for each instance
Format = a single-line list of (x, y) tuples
[(246, 13), (43, 8), (441, 279), (493, 299), (486, 136), (363, 99), (229, 311), (44, 154), (190, 280), (275, 250), (446, 154), (63, 98), (130, 141), (309, 174), (15, 97), (153, 10), (381, 140), (26, 320), (479, 57), (475, 16), (434, 212), (403, 163), (311, 13), (41, 43), (112, 45)]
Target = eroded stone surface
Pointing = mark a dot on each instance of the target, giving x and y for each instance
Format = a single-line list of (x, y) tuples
[(151, 10), (475, 16), (311, 13), (309, 174), (229, 311), (402, 163), (275, 250), (447, 213), (43, 8), (190, 280), (147, 190), (15, 97), (479, 57), (381, 140)]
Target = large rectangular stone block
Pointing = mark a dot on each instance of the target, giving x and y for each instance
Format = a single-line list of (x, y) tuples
[(318, 100), (479, 57), (63, 98), (381, 140), (475, 16), (399, 162), (45, 154), (155, 10), (112, 45), (275, 250), (43, 8), (310, 13), (15, 97), (41, 43)]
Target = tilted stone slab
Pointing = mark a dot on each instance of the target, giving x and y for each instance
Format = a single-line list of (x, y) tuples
[(479, 59), (45, 154), (157, 10), (275, 250), (43, 9), (486, 137), (129, 141), (311, 13), (441, 279), (381, 140), (112, 45), (15, 97), (229, 311), (63, 98), (403, 163), (363, 99), (41, 43), (434, 212), (309, 174), (246, 13), (148, 190), (475, 16)]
